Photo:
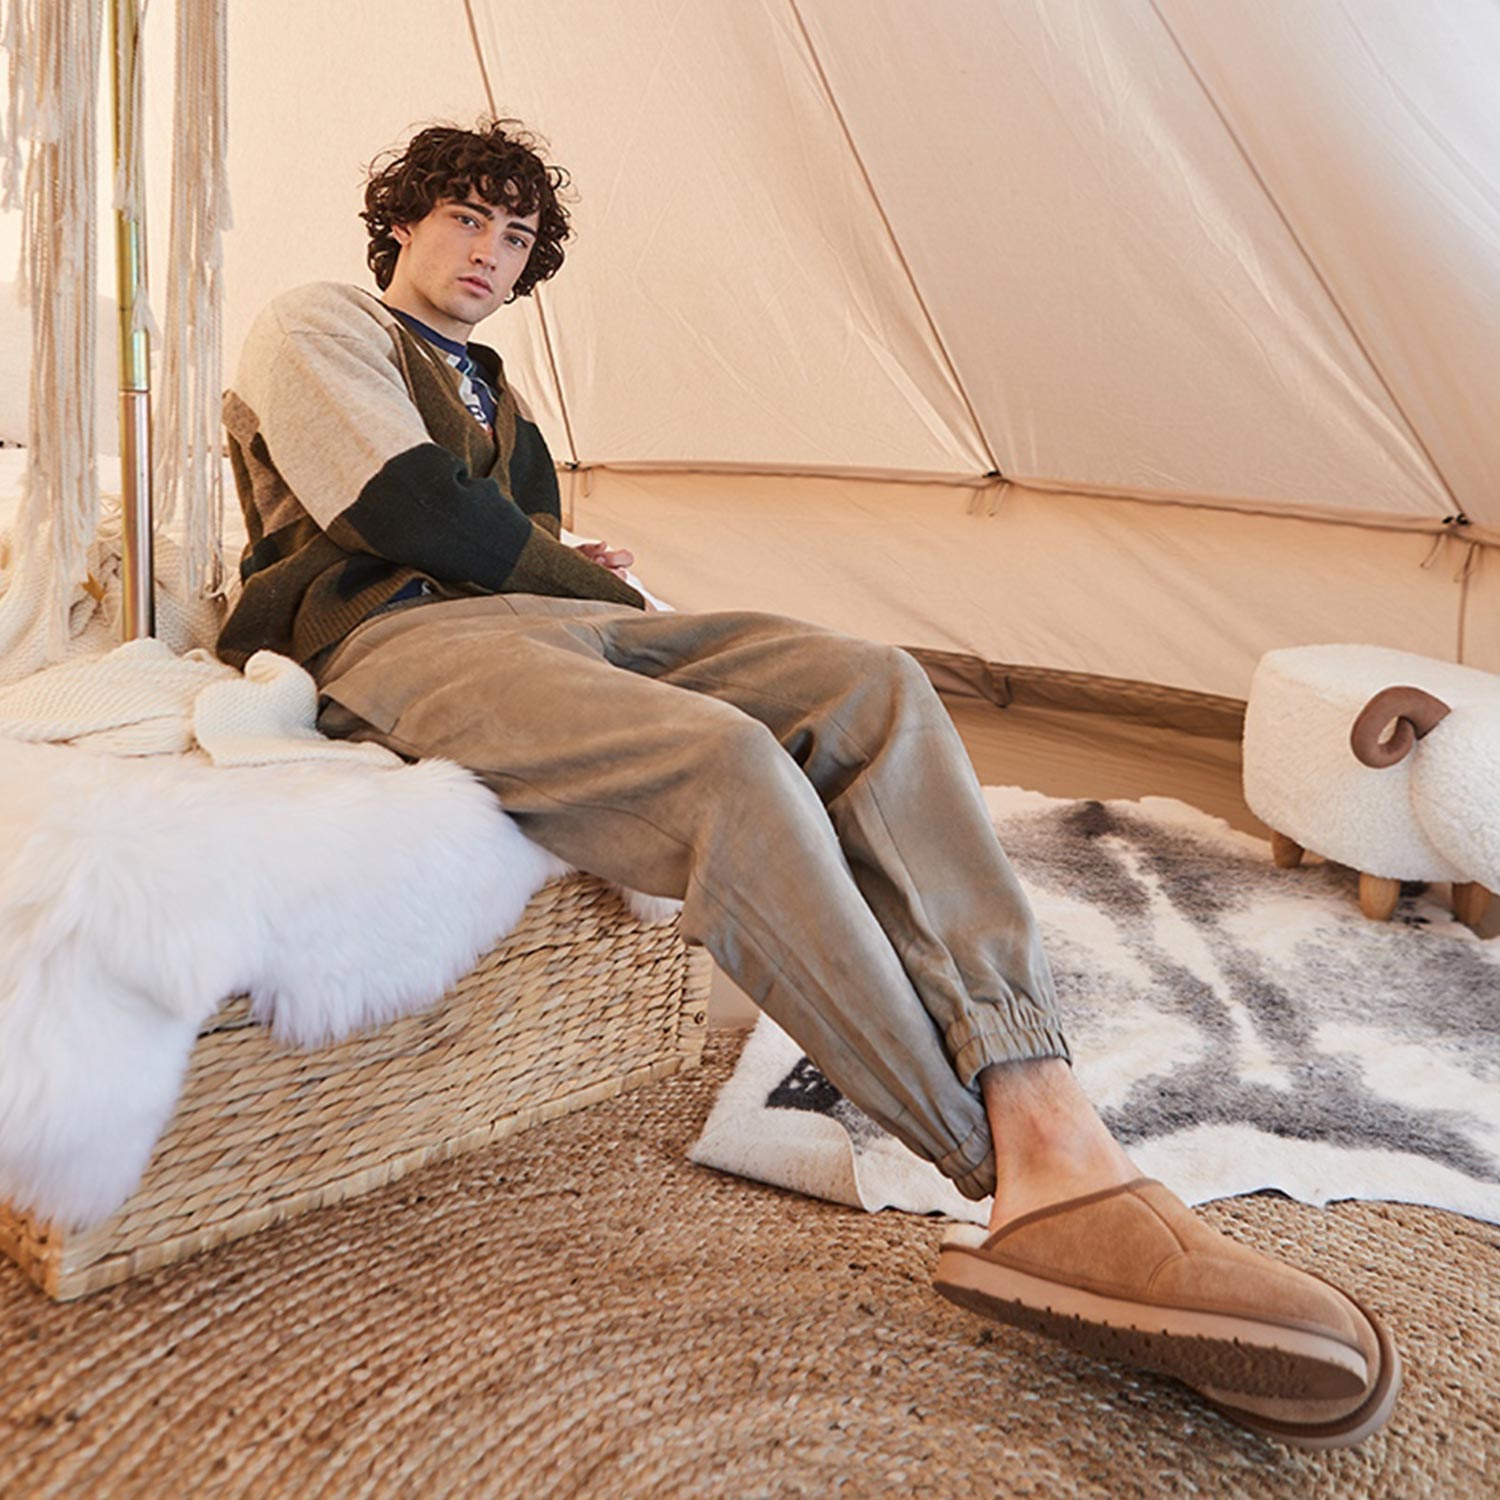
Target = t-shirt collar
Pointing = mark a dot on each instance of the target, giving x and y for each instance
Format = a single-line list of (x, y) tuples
[(417, 326)]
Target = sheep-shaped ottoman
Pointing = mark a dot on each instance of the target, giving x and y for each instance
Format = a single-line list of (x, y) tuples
[(1383, 761)]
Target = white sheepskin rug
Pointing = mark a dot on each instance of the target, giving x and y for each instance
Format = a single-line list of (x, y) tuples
[(136, 895), (1238, 1027)]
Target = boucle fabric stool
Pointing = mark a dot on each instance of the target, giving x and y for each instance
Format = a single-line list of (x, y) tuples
[(1381, 760), (580, 1002)]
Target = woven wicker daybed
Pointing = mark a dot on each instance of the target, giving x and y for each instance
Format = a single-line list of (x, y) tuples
[(579, 1003)]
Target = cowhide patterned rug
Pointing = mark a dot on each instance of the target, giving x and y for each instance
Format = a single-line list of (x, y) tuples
[(1238, 1026)]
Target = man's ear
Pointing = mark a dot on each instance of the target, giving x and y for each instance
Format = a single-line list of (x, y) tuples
[(401, 233)]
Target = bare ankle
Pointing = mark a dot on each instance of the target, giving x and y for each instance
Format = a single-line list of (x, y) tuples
[(1050, 1143)]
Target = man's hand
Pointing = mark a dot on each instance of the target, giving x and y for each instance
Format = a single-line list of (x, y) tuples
[(617, 560)]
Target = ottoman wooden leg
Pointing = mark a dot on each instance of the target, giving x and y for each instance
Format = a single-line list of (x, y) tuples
[(1378, 896), (1286, 852), (1470, 902)]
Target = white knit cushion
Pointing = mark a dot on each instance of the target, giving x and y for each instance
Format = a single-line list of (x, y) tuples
[(1302, 779)]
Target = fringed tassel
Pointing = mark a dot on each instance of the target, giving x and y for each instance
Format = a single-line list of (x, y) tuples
[(20, 104), (189, 473), (51, 159)]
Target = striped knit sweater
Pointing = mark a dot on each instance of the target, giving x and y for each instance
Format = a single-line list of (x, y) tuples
[(360, 470)]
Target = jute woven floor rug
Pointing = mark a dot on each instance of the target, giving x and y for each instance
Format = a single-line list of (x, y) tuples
[(582, 1312)]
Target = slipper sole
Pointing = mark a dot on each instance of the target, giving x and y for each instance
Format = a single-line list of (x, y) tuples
[(1231, 1355), (1278, 1418)]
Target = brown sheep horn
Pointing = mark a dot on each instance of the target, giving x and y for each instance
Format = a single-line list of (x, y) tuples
[(1416, 713)]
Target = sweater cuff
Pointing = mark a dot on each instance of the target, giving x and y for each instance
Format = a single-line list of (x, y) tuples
[(547, 566)]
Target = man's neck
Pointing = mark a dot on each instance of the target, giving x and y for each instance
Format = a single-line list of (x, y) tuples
[(399, 299), (425, 330)]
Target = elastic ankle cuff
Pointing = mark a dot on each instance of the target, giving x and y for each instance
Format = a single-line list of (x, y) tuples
[(977, 1041), (971, 1168)]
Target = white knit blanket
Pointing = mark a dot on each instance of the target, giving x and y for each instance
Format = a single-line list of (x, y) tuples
[(95, 605), (336, 886), (144, 699)]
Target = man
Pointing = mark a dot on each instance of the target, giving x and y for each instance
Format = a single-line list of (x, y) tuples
[(803, 792)]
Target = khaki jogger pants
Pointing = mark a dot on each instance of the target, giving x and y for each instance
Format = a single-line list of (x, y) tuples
[(803, 792)]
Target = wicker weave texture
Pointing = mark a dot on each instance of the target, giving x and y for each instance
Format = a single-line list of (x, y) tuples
[(578, 1003)]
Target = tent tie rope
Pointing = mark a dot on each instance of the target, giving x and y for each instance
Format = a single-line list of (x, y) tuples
[(1453, 530), (990, 486)]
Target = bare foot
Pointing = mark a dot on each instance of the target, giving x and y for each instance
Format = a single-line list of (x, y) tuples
[(1050, 1144)]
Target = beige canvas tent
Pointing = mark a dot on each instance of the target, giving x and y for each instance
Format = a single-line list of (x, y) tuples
[(1124, 337), (1215, 288)]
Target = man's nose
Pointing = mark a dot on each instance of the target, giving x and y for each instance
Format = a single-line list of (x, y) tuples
[(487, 250)]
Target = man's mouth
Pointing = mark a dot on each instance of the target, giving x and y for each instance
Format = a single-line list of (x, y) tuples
[(477, 283)]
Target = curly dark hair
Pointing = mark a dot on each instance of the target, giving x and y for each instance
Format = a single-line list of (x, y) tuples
[(498, 161)]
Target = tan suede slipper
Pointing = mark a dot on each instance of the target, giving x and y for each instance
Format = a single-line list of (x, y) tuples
[(1131, 1273), (1324, 1424)]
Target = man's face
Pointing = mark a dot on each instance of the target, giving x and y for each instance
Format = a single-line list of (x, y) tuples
[(458, 264)]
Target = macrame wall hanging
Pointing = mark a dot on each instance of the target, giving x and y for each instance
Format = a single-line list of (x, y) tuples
[(49, 168), (50, 171), (190, 471)]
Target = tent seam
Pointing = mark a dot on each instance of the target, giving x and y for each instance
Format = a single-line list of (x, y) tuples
[(1435, 527), (536, 292), (484, 72), (995, 470), (1465, 573)]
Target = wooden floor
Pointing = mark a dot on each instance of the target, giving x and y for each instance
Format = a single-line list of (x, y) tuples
[(1073, 755), (1096, 755)]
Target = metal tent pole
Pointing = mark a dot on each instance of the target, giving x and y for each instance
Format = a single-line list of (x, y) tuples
[(135, 345)]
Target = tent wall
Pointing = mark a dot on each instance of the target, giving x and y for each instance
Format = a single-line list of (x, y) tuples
[(1123, 303), (1482, 617), (1376, 128), (1214, 277), (316, 92), (1169, 594)]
